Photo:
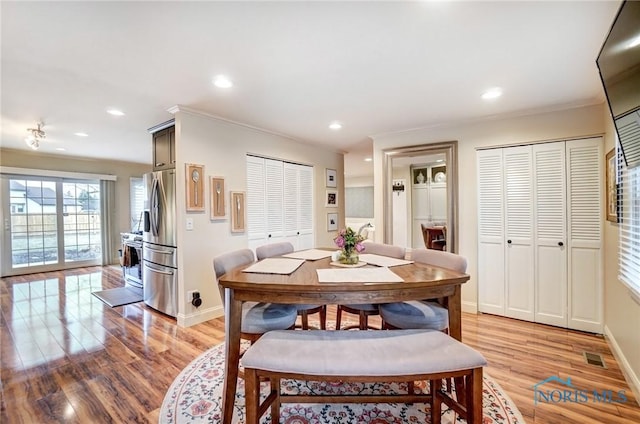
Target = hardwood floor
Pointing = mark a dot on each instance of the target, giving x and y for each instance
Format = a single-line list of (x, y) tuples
[(67, 357)]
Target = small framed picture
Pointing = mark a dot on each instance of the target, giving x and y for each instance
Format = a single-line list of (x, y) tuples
[(612, 187), (332, 199), (332, 177), (217, 210), (238, 212), (332, 221), (195, 182)]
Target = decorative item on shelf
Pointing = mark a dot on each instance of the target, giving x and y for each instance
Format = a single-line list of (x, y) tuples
[(350, 244), (420, 178), (36, 134)]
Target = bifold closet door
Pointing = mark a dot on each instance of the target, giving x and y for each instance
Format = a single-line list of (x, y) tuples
[(491, 266), (549, 178), (585, 261), (519, 253)]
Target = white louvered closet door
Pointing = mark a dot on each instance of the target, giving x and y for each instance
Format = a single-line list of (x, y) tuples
[(256, 221), (274, 185), (550, 233), (291, 189), (585, 262), (518, 187), (298, 205), (491, 266)]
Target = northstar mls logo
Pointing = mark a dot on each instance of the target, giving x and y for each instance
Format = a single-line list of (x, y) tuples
[(572, 394)]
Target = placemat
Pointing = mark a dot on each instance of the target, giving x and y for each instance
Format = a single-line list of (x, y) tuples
[(275, 266)]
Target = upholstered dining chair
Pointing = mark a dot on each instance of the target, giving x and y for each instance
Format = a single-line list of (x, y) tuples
[(365, 310), (257, 318), (425, 314), (282, 248)]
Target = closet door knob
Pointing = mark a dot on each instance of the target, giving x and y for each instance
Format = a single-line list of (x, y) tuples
[(509, 241), (560, 244)]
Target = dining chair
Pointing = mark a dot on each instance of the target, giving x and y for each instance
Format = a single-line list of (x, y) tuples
[(425, 314), (365, 310), (257, 317), (282, 248)]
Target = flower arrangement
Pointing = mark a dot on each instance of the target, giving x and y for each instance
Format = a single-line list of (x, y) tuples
[(350, 244)]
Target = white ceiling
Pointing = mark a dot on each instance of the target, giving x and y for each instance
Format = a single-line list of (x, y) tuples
[(378, 67)]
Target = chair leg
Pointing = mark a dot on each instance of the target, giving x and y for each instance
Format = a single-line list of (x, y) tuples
[(338, 316), (251, 395), (474, 396), (323, 318), (275, 406), (305, 320), (363, 320), (436, 401)]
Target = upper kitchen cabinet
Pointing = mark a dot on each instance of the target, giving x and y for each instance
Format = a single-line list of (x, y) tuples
[(164, 152)]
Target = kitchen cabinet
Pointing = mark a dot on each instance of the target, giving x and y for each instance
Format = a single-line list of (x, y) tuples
[(539, 233), (428, 200), (164, 152)]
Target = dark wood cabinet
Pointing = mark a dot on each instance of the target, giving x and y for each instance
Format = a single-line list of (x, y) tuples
[(164, 151)]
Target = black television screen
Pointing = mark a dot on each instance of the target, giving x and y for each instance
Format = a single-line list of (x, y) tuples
[(619, 66)]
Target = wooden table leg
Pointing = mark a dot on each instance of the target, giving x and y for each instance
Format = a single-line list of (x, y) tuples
[(454, 305), (232, 323)]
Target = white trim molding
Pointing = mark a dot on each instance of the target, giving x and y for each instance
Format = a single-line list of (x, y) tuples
[(629, 375), (60, 174)]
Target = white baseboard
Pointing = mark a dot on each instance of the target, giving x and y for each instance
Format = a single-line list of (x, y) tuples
[(471, 307), (627, 371), (199, 316)]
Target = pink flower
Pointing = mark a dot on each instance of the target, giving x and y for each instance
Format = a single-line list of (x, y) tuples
[(339, 241), (359, 247)]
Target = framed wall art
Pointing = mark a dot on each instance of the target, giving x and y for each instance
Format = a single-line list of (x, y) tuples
[(238, 212), (612, 187), (332, 221), (332, 177), (195, 181), (331, 199), (217, 209)]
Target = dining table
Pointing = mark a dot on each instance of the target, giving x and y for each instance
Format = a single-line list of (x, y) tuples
[(303, 286)]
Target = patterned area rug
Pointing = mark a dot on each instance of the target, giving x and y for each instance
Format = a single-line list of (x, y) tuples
[(195, 396)]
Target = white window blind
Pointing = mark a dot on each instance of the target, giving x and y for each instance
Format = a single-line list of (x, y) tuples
[(630, 229), (136, 202)]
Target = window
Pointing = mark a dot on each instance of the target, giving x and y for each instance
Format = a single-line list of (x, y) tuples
[(630, 229), (136, 202)]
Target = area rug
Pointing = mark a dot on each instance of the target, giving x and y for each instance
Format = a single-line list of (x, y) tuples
[(195, 396), (118, 296)]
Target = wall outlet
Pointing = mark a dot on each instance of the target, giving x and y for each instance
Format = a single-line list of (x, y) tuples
[(193, 297), (189, 224)]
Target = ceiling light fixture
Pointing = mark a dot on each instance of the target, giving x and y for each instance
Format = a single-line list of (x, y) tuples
[(368, 159), (221, 81), (81, 134), (115, 112), (492, 93), (335, 125), (36, 134)]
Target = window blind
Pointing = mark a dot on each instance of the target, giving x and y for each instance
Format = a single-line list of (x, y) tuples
[(136, 202), (629, 254)]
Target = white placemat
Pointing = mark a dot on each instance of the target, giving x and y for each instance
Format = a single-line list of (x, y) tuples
[(309, 255), (358, 275), (379, 260), (275, 266)]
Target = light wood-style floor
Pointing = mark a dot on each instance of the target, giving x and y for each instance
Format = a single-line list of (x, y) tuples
[(67, 357)]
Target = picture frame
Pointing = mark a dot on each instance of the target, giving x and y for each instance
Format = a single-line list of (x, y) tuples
[(332, 221), (612, 187), (194, 183), (238, 211), (331, 199), (217, 207), (331, 177)]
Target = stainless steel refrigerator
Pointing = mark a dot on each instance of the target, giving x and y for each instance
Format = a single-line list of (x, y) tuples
[(159, 250)]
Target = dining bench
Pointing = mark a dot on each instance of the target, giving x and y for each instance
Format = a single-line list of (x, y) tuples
[(362, 356)]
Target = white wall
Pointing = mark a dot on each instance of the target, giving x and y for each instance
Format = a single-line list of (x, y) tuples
[(622, 314), (222, 146)]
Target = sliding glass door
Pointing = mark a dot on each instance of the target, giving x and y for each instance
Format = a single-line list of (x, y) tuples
[(50, 223)]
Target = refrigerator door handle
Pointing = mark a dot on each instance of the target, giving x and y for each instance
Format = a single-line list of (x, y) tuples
[(162, 252), (155, 227), (160, 271)]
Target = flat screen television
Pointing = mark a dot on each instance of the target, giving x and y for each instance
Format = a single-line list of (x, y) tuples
[(619, 66)]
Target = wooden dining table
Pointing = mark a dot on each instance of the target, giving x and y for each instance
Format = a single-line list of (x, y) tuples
[(421, 281)]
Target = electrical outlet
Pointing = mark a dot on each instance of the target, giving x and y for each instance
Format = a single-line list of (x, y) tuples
[(193, 297), (189, 224)]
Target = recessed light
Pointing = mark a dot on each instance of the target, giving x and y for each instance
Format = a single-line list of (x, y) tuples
[(61, 149), (115, 112), (368, 159), (81, 134), (492, 93), (335, 125), (222, 81), (440, 160)]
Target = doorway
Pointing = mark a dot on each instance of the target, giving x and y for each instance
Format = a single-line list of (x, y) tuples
[(50, 224), (424, 172)]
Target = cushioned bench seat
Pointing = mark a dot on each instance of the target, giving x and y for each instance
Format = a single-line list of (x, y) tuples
[(363, 356)]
